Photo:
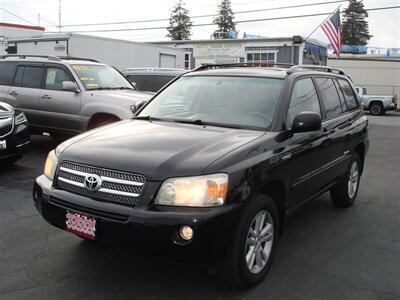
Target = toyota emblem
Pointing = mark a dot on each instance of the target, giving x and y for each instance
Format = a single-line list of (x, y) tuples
[(92, 182)]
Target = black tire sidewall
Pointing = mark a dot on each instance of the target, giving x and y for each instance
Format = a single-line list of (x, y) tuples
[(380, 109)]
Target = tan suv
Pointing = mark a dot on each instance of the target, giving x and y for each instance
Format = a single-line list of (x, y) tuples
[(65, 96)]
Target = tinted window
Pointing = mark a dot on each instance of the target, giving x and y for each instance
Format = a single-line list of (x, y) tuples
[(139, 80), (30, 77), (349, 96), (304, 98), (330, 97), (159, 81), (7, 71), (55, 78)]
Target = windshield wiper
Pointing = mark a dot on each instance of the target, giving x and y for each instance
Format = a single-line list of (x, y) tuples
[(202, 123), (100, 89), (148, 118), (123, 88)]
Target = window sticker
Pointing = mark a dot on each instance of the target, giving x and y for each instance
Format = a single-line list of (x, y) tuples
[(81, 68), (92, 85), (87, 78), (51, 76)]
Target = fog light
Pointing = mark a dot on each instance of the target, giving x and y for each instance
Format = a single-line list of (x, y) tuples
[(186, 232)]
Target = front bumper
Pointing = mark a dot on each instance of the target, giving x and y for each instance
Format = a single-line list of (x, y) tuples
[(18, 143), (155, 228)]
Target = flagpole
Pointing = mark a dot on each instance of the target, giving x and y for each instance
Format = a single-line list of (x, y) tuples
[(322, 22)]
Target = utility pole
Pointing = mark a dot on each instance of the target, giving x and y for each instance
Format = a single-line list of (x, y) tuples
[(59, 16)]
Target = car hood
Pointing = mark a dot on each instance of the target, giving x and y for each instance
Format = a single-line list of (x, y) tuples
[(123, 95), (158, 150)]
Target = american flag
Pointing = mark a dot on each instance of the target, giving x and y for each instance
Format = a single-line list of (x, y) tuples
[(332, 29)]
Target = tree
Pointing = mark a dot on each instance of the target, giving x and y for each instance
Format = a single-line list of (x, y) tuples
[(355, 28), (180, 24), (225, 23)]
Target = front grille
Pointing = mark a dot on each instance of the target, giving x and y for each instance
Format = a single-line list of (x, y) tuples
[(116, 186)]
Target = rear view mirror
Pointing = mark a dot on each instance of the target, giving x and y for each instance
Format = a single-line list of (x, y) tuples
[(70, 86), (306, 121)]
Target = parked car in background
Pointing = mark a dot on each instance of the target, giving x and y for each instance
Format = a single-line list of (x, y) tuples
[(14, 134), (216, 180), (376, 104), (151, 79), (65, 96)]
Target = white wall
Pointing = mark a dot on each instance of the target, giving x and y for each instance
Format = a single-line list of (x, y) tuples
[(379, 77), (15, 32)]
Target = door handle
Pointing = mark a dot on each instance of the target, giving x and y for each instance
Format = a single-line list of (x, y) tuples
[(46, 97), (13, 93)]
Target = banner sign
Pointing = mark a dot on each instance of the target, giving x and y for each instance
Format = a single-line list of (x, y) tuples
[(219, 50)]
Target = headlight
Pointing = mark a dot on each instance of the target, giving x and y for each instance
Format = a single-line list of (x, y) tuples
[(20, 118), (199, 191), (51, 165)]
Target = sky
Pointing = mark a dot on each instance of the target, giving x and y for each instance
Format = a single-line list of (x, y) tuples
[(384, 25)]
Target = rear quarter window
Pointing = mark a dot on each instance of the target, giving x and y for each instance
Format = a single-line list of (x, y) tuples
[(349, 95), (330, 97), (7, 71)]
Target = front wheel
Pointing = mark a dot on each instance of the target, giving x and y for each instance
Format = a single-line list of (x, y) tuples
[(251, 253), (345, 192)]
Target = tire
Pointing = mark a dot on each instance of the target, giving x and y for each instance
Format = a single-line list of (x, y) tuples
[(345, 192), (376, 109), (234, 267)]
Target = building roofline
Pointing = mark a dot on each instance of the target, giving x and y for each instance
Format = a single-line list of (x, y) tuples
[(20, 26), (67, 35), (180, 42)]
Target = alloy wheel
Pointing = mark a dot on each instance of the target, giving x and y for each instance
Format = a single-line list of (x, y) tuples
[(259, 242)]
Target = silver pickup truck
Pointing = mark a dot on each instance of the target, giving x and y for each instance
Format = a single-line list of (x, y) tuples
[(376, 104), (65, 96)]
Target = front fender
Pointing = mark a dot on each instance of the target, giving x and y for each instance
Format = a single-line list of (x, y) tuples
[(94, 108)]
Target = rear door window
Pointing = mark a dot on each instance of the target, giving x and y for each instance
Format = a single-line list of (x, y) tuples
[(349, 95), (304, 98), (159, 81), (139, 80), (330, 97), (7, 71), (29, 77)]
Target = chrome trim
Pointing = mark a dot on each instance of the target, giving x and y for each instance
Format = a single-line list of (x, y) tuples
[(121, 181), (115, 192), (71, 182), (103, 178), (23, 144), (12, 126)]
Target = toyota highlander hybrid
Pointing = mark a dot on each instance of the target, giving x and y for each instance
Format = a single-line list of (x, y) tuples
[(210, 168)]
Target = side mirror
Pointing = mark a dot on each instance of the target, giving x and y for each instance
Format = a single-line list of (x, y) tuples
[(134, 84), (306, 122), (136, 107), (70, 86)]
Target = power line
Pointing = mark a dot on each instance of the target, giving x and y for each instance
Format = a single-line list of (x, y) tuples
[(18, 17), (237, 22), (208, 15)]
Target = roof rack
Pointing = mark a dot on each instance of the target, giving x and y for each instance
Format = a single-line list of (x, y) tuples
[(27, 55), (299, 68), (233, 65), (77, 58)]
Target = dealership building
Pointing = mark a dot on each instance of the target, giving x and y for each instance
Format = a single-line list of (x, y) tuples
[(258, 51)]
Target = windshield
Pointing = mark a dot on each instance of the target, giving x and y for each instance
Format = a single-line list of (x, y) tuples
[(97, 77), (226, 101)]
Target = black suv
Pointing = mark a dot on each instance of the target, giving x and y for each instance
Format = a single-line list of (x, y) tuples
[(212, 165)]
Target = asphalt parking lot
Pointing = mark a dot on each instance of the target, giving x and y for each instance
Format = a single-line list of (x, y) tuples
[(325, 253)]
